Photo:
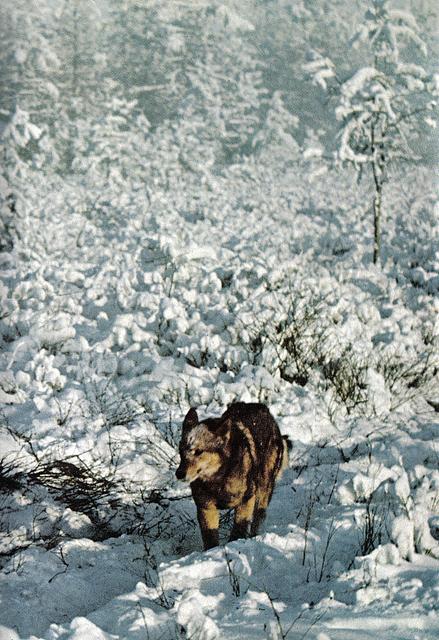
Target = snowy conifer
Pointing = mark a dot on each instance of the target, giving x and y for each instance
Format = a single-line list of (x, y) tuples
[(384, 105)]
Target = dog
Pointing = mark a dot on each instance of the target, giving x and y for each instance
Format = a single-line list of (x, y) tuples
[(232, 462)]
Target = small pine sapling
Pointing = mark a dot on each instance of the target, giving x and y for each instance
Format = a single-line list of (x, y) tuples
[(384, 106)]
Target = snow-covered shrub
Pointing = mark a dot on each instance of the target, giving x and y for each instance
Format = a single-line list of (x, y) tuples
[(346, 376), (284, 337), (82, 487), (299, 337), (397, 508), (105, 402), (410, 373), (372, 525)]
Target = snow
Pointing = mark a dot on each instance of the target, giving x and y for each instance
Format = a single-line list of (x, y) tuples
[(152, 277), (320, 68), (107, 386)]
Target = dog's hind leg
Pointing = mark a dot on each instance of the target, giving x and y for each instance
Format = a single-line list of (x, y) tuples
[(243, 519), (276, 463), (263, 497)]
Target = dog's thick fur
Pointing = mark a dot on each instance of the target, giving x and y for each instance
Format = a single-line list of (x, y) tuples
[(232, 462)]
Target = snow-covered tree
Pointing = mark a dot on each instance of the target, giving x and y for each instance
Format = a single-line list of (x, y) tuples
[(221, 78), (120, 131), (275, 143), (81, 73), (384, 106), (52, 69), (19, 144), (29, 96), (27, 57), (144, 45)]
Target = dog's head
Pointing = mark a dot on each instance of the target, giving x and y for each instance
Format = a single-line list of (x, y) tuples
[(202, 447)]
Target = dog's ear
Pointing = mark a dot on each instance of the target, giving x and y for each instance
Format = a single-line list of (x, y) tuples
[(191, 419), (223, 430)]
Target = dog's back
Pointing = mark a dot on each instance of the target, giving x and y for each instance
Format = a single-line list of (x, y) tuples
[(271, 453), (262, 432)]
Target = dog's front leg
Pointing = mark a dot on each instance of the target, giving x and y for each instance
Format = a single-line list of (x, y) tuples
[(208, 519), (243, 518)]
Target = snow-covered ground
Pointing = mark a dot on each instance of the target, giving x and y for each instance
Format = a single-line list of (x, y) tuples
[(241, 287)]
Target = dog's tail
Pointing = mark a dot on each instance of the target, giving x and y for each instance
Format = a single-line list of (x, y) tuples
[(287, 446)]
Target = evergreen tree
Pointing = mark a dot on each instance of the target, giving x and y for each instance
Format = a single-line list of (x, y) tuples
[(144, 46), (383, 107)]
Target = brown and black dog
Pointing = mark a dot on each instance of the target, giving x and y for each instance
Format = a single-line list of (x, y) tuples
[(232, 462)]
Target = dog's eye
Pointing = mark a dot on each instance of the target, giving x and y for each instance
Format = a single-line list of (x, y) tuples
[(198, 452)]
